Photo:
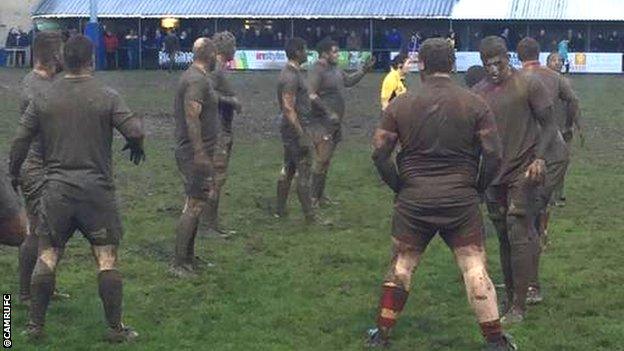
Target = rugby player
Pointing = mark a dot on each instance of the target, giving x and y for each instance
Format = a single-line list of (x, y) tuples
[(75, 119), (327, 82), (225, 43), (197, 128), (523, 109), (442, 130)]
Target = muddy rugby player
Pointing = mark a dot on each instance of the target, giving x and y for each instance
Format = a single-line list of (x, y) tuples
[(225, 44), (327, 82), (197, 127), (568, 120), (47, 63), (440, 130), (523, 108), (78, 190), (293, 98), (557, 154)]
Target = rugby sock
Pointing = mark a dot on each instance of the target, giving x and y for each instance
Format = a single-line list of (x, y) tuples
[(185, 237), (110, 288), (492, 331), (283, 187), (392, 301), (42, 287), (27, 261)]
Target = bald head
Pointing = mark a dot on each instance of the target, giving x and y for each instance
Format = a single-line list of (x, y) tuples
[(204, 50)]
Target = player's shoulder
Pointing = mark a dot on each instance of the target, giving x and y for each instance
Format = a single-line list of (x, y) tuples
[(481, 87)]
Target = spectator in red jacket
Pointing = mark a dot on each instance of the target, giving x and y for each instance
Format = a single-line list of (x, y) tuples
[(111, 43)]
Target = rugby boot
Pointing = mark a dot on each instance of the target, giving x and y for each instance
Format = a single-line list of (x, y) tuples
[(121, 334), (506, 344), (377, 339), (513, 316), (33, 332), (534, 296)]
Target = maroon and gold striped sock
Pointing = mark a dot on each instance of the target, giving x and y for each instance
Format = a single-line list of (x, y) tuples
[(492, 331), (391, 304)]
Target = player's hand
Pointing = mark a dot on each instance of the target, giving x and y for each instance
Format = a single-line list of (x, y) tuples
[(536, 171), (369, 64), (15, 184), (237, 105), (137, 154)]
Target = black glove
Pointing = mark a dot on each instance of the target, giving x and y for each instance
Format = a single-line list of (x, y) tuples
[(136, 152)]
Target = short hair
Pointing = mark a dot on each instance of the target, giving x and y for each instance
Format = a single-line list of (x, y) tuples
[(551, 55), (47, 47), (77, 53), (437, 56), (225, 43), (528, 49), (474, 75), (326, 45), (399, 60), (203, 49), (492, 46), (293, 46)]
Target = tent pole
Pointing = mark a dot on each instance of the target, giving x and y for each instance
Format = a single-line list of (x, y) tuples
[(140, 45), (370, 34)]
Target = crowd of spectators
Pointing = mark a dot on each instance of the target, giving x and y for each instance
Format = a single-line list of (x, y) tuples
[(19, 42)]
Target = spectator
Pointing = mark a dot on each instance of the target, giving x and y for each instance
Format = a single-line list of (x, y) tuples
[(185, 41), (159, 39), (453, 40), (599, 44), (267, 38), (614, 43), (11, 40), (366, 38), (280, 40), (342, 38), (171, 46), (415, 42), (111, 44), (318, 36), (354, 42), (578, 43), (394, 39), (308, 35), (132, 47), (542, 39), (379, 39), (475, 40), (506, 36), (563, 49), (23, 42), (333, 34), (147, 39)]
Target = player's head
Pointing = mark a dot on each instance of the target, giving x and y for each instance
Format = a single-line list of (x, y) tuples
[(436, 56), (528, 49), (47, 50), (78, 54), (401, 62), (474, 75), (226, 45), (495, 58), (554, 62), (296, 50), (205, 52), (329, 50)]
